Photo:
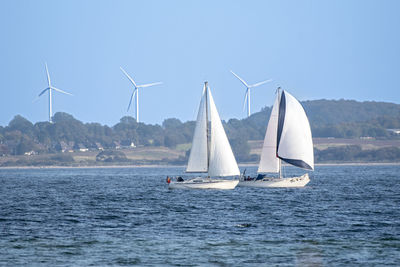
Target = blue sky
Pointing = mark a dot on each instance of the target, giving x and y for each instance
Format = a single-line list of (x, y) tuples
[(313, 49)]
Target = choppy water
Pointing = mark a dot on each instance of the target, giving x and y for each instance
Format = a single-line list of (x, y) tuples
[(347, 215)]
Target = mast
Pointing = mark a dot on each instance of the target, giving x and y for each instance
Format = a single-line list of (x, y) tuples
[(207, 130)]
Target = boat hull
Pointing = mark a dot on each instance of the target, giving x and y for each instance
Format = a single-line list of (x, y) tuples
[(300, 181), (199, 183)]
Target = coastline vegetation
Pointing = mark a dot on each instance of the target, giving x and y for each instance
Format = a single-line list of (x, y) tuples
[(23, 143)]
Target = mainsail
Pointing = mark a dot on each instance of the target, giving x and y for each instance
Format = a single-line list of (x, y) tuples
[(269, 162)]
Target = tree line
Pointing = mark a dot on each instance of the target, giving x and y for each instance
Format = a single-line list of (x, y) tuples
[(328, 118), (354, 153), (21, 136)]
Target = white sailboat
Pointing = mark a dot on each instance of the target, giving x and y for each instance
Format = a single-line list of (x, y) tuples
[(288, 138), (211, 152)]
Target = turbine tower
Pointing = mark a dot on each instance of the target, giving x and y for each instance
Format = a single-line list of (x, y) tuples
[(247, 94), (50, 88), (136, 92)]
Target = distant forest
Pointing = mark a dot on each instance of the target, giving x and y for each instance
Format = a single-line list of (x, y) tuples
[(328, 118)]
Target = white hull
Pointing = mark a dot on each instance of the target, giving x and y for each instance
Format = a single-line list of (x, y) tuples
[(204, 183), (300, 181)]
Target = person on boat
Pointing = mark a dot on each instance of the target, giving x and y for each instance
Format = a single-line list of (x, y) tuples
[(168, 179), (179, 179)]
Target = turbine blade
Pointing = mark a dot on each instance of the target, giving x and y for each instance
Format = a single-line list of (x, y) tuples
[(148, 85), (48, 75), (240, 79), (129, 77), (245, 99), (61, 91), (41, 93), (130, 101), (260, 83)]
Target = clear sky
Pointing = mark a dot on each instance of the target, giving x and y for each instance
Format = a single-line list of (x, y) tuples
[(314, 49)]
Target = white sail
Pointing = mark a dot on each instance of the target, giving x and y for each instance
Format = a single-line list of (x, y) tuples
[(198, 159), (295, 144), (222, 161), (269, 162)]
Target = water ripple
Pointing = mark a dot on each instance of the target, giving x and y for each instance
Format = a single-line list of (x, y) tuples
[(348, 215)]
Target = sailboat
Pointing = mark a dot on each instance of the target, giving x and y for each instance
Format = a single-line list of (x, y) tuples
[(211, 152), (288, 138)]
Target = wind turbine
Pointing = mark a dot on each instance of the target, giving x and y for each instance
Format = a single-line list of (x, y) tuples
[(247, 94), (136, 92), (50, 88)]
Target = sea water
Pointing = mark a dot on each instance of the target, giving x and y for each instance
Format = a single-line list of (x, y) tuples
[(346, 215)]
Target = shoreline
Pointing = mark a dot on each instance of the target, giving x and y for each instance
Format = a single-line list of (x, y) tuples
[(182, 166)]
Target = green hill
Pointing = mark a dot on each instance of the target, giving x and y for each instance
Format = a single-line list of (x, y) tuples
[(341, 118)]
